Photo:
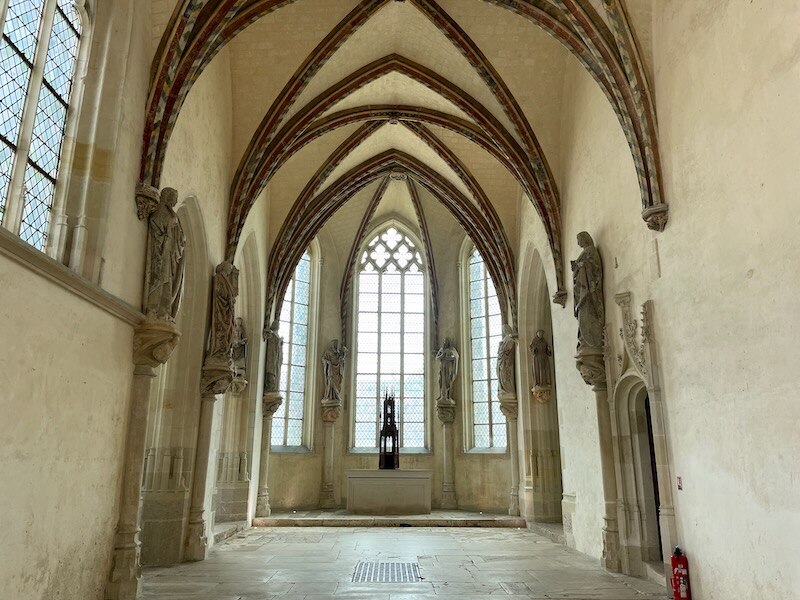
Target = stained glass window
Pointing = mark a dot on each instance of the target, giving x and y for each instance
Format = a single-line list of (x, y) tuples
[(486, 328), (38, 54), (287, 422), (390, 339)]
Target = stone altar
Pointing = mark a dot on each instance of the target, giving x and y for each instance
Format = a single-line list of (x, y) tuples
[(389, 492)]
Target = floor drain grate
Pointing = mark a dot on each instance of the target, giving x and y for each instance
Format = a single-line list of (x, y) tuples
[(386, 572)]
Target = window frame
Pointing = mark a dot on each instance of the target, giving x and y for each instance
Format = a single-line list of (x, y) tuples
[(11, 220), (310, 391), (468, 420), (405, 230)]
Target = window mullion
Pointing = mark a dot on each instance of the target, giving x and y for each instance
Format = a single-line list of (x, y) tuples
[(3, 14), (401, 391), (289, 366), (380, 355), (16, 195)]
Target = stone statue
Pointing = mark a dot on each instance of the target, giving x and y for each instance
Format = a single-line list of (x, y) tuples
[(272, 368), (448, 369), (541, 353), (240, 347), (587, 273), (223, 321), (505, 362), (166, 246), (333, 370)]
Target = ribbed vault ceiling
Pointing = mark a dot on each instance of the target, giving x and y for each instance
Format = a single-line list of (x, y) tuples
[(335, 100)]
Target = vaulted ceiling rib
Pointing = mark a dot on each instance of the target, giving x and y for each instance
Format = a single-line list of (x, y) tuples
[(374, 68)]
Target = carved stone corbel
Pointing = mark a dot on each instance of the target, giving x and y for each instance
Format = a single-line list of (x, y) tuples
[(656, 217), (147, 198), (154, 342)]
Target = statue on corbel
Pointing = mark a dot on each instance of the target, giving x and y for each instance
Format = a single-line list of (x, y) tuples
[(239, 354), (542, 390), (506, 371), (448, 370), (156, 338), (587, 273), (218, 368), (333, 362)]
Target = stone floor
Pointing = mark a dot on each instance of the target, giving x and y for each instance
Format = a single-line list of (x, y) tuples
[(455, 563)]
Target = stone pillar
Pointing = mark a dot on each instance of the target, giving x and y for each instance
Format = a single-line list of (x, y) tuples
[(591, 364), (446, 410), (330, 414), (216, 380), (270, 403), (510, 408), (153, 343)]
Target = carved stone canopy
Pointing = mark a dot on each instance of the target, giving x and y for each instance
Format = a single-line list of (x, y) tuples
[(146, 200)]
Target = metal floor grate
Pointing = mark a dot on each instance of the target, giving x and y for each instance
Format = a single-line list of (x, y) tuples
[(386, 572)]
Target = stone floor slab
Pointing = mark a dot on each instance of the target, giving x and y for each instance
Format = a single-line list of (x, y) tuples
[(455, 563)]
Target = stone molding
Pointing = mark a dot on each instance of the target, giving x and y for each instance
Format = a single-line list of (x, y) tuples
[(39, 263)]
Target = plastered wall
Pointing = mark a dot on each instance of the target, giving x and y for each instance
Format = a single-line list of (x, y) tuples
[(720, 277), (67, 373)]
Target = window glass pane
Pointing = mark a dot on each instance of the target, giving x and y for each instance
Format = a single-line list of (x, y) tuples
[(485, 330), (6, 159), (287, 423), (23, 20), (391, 337), (36, 208), (14, 76)]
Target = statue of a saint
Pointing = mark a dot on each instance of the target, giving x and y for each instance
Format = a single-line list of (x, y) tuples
[(240, 347), (448, 369), (541, 353), (505, 362), (223, 321), (333, 370), (166, 245), (587, 273), (274, 349)]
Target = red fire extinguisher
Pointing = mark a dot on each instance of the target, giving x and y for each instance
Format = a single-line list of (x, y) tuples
[(680, 576)]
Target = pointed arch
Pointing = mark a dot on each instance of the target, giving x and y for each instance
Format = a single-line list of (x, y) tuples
[(306, 218)]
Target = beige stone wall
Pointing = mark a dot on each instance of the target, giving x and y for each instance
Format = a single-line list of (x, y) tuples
[(65, 399), (726, 79)]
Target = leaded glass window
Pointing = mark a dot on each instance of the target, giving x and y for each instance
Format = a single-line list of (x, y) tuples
[(38, 54), (287, 422), (486, 328), (390, 339)]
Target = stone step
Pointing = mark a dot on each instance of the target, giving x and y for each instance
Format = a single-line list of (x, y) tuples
[(343, 519)]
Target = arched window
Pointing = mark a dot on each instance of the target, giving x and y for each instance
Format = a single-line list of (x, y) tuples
[(486, 423), (390, 339), (38, 57), (288, 422)]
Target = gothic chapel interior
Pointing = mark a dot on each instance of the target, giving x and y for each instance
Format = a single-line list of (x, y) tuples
[(563, 234)]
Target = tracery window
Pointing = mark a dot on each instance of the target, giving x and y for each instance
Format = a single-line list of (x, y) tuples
[(38, 57), (288, 420), (488, 424), (390, 339)]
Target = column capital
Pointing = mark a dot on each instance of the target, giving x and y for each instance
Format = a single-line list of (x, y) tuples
[(154, 342)]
